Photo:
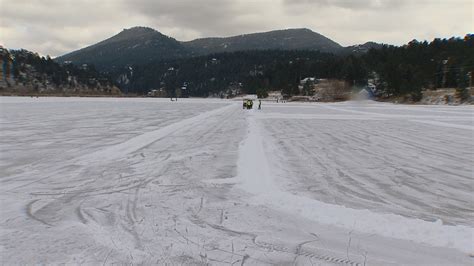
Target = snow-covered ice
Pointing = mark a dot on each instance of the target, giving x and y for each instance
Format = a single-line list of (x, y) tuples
[(102, 181)]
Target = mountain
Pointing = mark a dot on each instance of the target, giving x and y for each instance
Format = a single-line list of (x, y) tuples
[(290, 39), (362, 48), (137, 45), (141, 45)]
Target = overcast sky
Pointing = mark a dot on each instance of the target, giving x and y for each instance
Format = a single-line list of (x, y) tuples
[(56, 27)]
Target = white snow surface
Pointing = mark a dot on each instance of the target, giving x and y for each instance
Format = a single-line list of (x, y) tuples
[(391, 225), (199, 181)]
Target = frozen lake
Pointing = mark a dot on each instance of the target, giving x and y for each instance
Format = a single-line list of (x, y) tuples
[(102, 180)]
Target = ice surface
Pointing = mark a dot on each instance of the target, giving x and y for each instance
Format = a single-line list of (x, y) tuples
[(102, 181)]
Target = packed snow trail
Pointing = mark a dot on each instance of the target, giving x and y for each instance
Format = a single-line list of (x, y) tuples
[(254, 173), (148, 181), (256, 176)]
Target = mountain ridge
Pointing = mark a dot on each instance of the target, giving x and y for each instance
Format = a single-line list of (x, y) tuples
[(140, 45), (134, 45), (287, 39)]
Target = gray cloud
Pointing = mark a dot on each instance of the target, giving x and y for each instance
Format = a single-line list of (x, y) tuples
[(349, 4), (207, 18), (58, 26)]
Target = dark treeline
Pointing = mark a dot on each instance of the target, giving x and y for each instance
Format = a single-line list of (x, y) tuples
[(253, 70), (396, 70), (442, 63)]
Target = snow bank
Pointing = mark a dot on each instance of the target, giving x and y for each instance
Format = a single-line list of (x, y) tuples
[(389, 225)]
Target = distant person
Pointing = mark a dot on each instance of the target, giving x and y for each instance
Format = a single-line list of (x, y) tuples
[(259, 104)]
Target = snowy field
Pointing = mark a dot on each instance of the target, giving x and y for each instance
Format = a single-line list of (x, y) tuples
[(150, 181)]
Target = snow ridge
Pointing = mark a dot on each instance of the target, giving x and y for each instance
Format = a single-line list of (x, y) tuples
[(256, 177)]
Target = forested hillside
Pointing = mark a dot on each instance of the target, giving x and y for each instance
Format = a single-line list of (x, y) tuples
[(395, 70), (289, 39), (442, 63), (25, 72), (138, 45), (143, 45)]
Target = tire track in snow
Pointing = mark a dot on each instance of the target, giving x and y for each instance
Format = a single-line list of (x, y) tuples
[(255, 176), (282, 248), (184, 141), (398, 175), (30, 213), (444, 124), (119, 151), (313, 254)]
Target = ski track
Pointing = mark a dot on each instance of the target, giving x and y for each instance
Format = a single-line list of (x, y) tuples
[(146, 181)]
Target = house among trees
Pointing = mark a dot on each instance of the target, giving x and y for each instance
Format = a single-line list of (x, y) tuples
[(365, 93), (306, 80), (157, 93), (332, 90)]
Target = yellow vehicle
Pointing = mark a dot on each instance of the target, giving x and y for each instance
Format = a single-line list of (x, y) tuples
[(247, 104)]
